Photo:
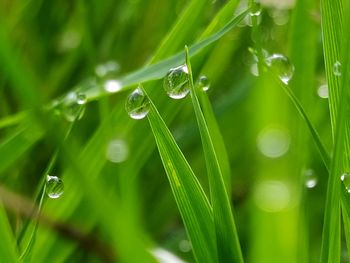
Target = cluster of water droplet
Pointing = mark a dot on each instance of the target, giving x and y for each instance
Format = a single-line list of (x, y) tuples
[(107, 74), (54, 186)]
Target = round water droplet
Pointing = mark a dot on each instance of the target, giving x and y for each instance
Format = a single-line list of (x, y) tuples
[(337, 69), (176, 82), (255, 10), (117, 151), (322, 91), (137, 104), (54, 187), (345, 177), (204, 83), (112, 85), (281, 66), (310, 178), (71, 108), (81, 98)]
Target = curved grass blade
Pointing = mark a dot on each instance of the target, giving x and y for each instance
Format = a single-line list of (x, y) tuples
[(188, 193), (315, 136), (226, 234), (159, 69)]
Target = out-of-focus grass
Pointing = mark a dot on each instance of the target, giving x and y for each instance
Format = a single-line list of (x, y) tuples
[(48, 49)]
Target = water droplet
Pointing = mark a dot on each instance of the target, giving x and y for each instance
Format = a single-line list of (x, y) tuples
[(137, 104), (112, 85), (273, 142), (272, 196), (310, 178), (345, 177), (176, 82), (54, 186), (204, 83), (71, 106), (185, 246), (255, 9), (322, 91), (81, 98), (337, 69), (281, 66), (117, 151)]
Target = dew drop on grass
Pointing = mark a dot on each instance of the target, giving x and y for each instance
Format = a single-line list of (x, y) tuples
[(137, 104), (176, 82), (255, 9), (112, 85), (81, 98), (204, 83), (281, 66), (117, 151), (345, 178), (310, 178), (322, 91), (54, 187), (73, 107), (337, 69)]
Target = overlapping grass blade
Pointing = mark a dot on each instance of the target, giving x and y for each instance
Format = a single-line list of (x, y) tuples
[(159, 69), (8, 251), (226, 234), (190, 198), (93, 156)]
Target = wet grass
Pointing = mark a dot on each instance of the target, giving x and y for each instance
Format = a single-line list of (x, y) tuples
[(219, 176)]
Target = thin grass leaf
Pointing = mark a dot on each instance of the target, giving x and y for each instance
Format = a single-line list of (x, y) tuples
[(8, 251), (217, 139), (332, 31), (158, 70), (18, 143), (188, 193), (314, 134), (226, 234)]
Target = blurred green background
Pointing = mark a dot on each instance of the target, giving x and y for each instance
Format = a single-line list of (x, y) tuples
[(49, 48)]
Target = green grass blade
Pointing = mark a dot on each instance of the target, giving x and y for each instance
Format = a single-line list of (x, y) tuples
[(314, 134), (158, 70), (189, 195), (332, 32), (217, 139), (13, 147), (8, 245), (226, 234)]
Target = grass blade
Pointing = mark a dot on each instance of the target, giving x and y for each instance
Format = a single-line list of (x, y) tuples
[(226, 234), (159, 69), (189, 195), (8, 245)]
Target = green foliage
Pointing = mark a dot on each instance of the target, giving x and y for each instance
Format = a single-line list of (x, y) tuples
[(273, 151)]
